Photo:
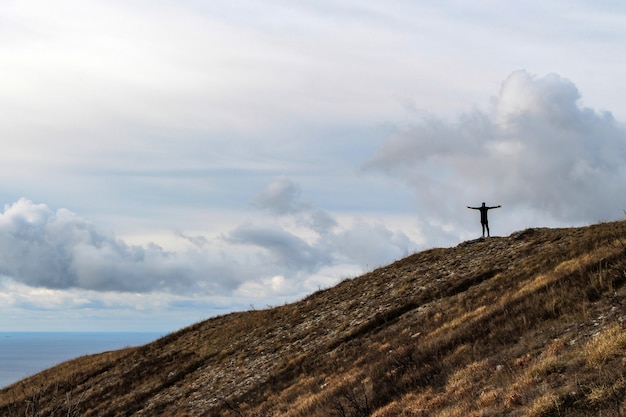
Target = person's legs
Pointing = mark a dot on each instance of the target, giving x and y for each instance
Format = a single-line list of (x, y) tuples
[(487, 226), (483, 225)]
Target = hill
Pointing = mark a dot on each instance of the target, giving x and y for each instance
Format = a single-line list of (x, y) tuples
[(526, 325)]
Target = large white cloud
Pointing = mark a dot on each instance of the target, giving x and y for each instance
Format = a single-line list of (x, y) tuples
[(538, 151)]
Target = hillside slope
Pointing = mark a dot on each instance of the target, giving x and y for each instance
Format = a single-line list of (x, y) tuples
[(531, 324)]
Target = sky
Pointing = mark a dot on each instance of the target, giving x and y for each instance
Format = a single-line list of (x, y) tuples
[(164, 162)]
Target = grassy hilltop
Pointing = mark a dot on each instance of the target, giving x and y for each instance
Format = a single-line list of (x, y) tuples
[(526, 325)]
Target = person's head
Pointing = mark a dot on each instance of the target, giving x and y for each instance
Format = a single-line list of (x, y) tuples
[(483, 204)]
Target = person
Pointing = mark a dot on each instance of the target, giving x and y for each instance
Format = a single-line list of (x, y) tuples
[(483, 216)]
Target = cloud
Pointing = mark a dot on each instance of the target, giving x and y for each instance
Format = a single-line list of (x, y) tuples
[(197, 241), (287, 249), (282, 197), (309, 239), (60, 250), (370, 245), (537, 151)]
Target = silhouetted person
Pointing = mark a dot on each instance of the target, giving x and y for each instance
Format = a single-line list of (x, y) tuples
[(483, 216)]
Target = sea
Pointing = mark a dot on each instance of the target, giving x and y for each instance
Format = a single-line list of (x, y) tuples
[(26, 353)]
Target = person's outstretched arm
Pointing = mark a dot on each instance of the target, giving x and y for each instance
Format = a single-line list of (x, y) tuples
[(473, 208)]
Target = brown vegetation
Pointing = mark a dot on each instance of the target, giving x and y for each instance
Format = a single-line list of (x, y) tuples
[(526, 325)]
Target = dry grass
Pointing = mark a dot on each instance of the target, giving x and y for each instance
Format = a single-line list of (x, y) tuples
[(530, 324), (606, 345), (547, 404)]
